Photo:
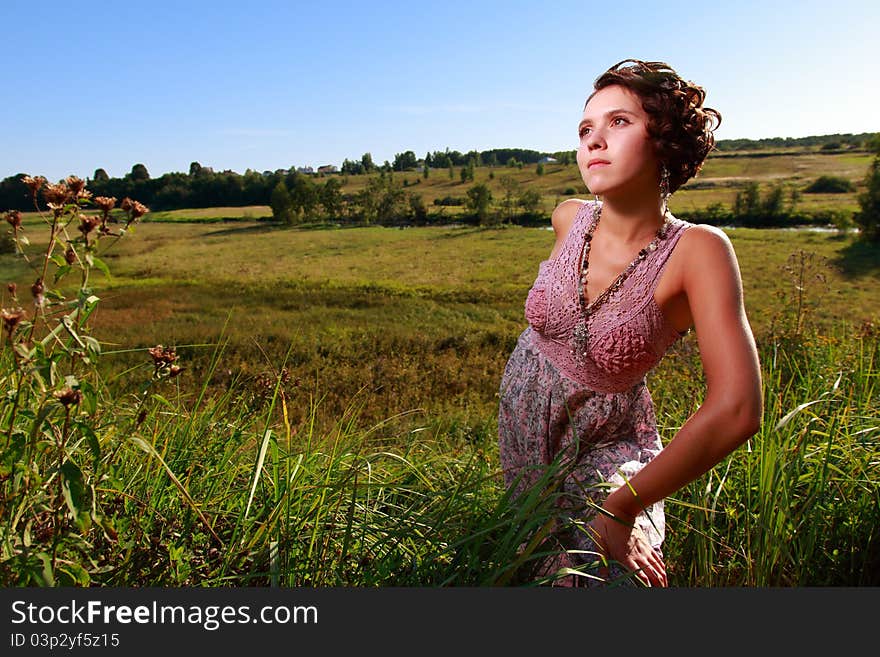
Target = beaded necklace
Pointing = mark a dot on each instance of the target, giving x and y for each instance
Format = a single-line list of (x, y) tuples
[(580, 338)]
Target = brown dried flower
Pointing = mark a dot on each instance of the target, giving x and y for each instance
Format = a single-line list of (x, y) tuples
[(11, 319), (14, 219), (34, 184), (37, 290), (13, 289), (138, 210), (87, 224), (68, 396), (106, 203), (174, 370), (162, 356), (57, 194), (126, 204), (75, 185), (70, 255)]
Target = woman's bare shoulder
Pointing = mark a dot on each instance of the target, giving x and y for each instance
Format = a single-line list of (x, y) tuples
[(564, 214), (705, 239), (707, 248)]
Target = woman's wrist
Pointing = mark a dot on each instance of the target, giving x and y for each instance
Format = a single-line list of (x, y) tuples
[(623, 505)]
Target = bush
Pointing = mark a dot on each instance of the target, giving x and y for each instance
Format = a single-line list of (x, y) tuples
[(830, 185), (449, 200)]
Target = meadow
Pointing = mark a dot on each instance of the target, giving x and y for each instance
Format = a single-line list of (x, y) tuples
[(334, 419)]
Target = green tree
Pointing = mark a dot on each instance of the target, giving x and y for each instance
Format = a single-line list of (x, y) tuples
[(281, 204), (451, 170), (426, 171), (418, 211), (367, 162), (304, 198), (480, 202), (404, 161), (330, 197), (773, 204), (508, 201), (100, 176), (539, 169), (868, 218), (139, 172), (747, 202), (530, 201), (382, 200)]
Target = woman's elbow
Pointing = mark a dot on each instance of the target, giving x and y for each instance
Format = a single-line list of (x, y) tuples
[(744, 419), (737, 417)]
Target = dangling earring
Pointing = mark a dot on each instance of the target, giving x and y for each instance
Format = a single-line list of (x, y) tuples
[(664, 190), (596, 197)]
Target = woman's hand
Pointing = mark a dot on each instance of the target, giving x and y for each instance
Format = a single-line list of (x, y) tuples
[(622, 541)]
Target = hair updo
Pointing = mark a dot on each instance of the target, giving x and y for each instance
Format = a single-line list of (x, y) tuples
[(680, 127)]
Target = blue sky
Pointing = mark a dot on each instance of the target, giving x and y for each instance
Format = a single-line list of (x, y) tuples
[(268, 85)]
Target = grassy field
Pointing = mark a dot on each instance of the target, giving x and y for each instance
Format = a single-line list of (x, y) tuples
[(418, 318), (371, 460)]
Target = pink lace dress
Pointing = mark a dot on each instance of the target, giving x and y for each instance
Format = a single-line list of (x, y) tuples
[(595, 411)]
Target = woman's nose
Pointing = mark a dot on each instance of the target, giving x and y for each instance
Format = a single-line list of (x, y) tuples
[(595, 140)]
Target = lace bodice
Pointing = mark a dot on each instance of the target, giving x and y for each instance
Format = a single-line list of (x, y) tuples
[(629, 333)]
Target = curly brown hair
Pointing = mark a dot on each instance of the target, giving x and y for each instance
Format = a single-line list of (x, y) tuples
[(680, 127)]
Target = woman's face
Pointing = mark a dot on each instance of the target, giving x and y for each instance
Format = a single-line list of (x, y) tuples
[(615, 154)]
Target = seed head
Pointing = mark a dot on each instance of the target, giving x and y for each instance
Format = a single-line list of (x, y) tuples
[(68, 396), (126, 204), (11, 318), (174, 370), (13, 289), (70, 255), (14, 219)]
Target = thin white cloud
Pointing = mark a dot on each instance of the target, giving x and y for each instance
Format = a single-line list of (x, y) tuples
[(463, 108), (259, 132)]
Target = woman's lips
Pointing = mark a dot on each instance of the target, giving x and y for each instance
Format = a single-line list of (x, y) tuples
[(597, 163)]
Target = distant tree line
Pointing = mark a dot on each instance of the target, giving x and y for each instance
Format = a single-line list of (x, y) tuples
[(828, 143)]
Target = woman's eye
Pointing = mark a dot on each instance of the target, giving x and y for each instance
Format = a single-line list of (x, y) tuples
[(583, 132), (618, 120)]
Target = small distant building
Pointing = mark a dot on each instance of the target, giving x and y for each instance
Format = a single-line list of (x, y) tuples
[(305, 170), (328, 168), (547, 160)]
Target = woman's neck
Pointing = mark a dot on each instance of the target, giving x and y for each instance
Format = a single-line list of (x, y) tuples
[(631, 221)]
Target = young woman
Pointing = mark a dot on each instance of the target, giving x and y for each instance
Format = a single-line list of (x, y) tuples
[(624, 281)]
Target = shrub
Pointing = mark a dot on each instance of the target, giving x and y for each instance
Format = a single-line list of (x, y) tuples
[(449, 200), (830, 185)]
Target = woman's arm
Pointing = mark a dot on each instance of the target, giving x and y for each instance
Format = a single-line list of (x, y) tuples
[(733, 406), (561, 219)]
